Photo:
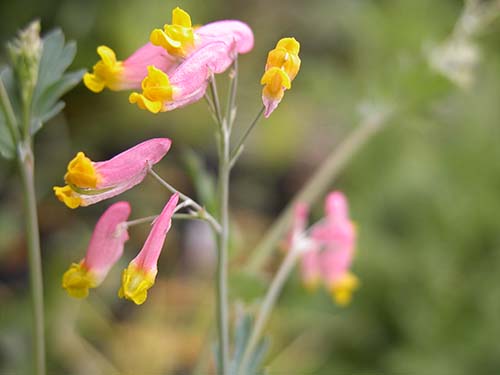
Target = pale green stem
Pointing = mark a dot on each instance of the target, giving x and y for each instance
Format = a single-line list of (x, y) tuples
[(239, 146), (222, 263), (231, 98), (26, 167), (267, 306), (202, 213), (317, 185)]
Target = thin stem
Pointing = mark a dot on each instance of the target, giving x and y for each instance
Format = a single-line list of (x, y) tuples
[(216, 102), (239, 146), (231, 98), (267, 306), (10, 118), (26, 167), (318, 184), (142, 220), (203, 214), (222, 293)]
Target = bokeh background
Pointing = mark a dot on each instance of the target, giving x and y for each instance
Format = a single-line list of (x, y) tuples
[(424, 193)]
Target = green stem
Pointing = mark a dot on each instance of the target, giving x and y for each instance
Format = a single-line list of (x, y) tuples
[(231, 98), (267, 306), (318, 184), (239, 146), (222, 240), (26, 167)]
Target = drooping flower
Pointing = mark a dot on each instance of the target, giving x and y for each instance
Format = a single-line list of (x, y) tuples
[(90, 182), (181, 39), (283, 64), (330, 249), (123, 75), (105, 248), (140, 275), (187, 84)]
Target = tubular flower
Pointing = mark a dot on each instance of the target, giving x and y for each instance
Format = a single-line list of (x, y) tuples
[(329, 256), (187, 84), (105, 248), (90, 182), (140, 275), (181, 39), (121, 75), (283, 64)]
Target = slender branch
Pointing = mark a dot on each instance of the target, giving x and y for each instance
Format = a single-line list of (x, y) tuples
[(26, 167), (239, 146), (319, 183), (142, 220), (231, 98), (8, 111), (267, 306), (202, 212), (216, 102), (223, 138)]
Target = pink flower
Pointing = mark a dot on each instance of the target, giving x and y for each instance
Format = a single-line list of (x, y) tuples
[(105, 248), (122, 75), (331, 243), (187, 84), (140, 275), (90, 182)]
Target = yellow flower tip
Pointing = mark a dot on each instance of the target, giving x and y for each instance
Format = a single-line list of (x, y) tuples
[(81, 172), (178, 38), (291, 45), (66, 195), (93, 83), (156, 90), (135, 284), (275, 81), (77, 280), (144, 103), (181, 17), (342, 289), (106, 73)]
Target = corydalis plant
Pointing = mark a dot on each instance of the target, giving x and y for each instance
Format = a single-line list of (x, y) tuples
[(177, 67)]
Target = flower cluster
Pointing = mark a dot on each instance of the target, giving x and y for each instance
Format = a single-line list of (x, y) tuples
[(90, 182), (106, 248), (174, 68), (329, 248)]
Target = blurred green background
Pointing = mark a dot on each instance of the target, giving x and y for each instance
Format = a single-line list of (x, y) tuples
[(424, 193)]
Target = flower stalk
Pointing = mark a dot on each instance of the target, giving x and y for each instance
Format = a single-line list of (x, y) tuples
[(26, 168), (222, 239)]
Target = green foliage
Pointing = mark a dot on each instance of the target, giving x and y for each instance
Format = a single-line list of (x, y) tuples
[(53, 80)]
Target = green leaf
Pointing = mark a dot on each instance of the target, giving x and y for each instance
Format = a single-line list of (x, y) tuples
[(53, 82), (47, 105), (258, 357)]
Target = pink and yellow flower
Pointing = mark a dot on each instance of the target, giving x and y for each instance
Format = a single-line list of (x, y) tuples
[(330, 252), (123, 75), (187, 84), (90, 182), (140, 275), (105, 248), (181, 39), (283, 64)]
